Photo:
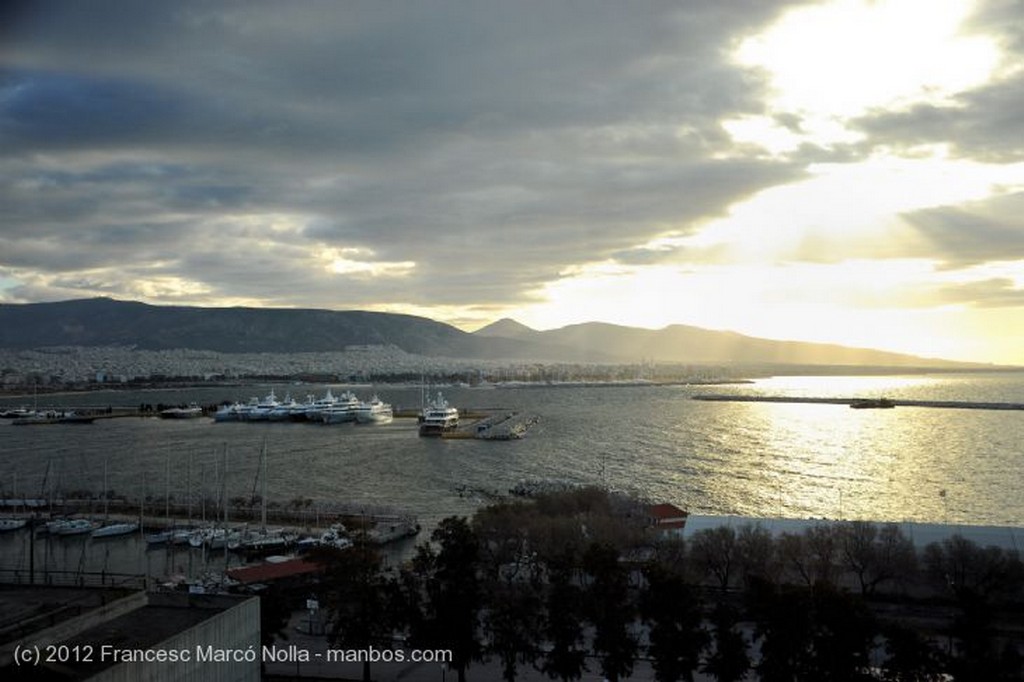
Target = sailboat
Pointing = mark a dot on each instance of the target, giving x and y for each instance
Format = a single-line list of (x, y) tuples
[(112, 529), (166, 533), (264, 540)]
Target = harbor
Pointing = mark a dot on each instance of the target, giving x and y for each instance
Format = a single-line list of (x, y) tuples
[(435, 418)]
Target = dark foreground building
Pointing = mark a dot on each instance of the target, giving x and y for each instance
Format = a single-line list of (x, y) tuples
[(111, 635)]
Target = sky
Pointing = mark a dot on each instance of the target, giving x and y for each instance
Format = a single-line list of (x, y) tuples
[(848, 172)]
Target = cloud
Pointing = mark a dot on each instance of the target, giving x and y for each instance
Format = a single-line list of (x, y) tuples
[(471, 158), (973, 233), (494, 146), (1001, 292)]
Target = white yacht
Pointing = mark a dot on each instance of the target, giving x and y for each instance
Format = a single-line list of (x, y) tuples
[(438, 417), (283, 411), (261, 411), (315, 411), (343, 410), (375, 411)]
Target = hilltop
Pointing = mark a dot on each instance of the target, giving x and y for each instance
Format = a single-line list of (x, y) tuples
[(107, 322)]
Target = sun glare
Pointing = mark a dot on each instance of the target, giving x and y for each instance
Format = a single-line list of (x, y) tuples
[(831, 62)]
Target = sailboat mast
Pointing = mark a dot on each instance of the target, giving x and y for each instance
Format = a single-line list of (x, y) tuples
[(224, 486), (167, 489), (263, 487), (106, 498)]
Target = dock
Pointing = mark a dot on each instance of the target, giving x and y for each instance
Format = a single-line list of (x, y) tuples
[(948, 404)]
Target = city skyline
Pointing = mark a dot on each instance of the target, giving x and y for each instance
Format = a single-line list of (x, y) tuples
[(842, 172)]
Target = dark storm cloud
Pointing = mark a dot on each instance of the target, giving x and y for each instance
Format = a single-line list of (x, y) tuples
[(493, 145)]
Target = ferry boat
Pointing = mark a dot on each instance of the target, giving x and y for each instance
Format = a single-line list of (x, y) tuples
[(438, 417)]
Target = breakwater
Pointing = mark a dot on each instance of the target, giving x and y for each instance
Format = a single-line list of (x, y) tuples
[(949, 404)]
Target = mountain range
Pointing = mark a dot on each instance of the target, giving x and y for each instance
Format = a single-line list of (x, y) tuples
[(107, 322)]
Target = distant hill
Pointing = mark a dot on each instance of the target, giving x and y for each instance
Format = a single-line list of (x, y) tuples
[(106, 322), (680, 343)]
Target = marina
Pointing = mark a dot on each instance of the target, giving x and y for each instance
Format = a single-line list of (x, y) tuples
[(774, 457)]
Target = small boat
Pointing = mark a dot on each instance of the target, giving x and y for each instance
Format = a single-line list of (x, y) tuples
[(180, 536), (12, 524), (229, 412), (335, 537), (115, 529), (193, 411), (872, 403), (74, 527), (160, 537), (17, 413)]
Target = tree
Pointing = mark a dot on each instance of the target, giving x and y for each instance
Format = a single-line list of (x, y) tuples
[(513, 624), (783, 623), (449, 609), (566, 658), (610, 612), (729, 661), (713, 551), (876, 557), (275, 612), (674, 615), (842, 635), (355, 594), (754, 552), (910, 657)]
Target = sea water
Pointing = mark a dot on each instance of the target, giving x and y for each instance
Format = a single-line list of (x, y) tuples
[(655, 442)]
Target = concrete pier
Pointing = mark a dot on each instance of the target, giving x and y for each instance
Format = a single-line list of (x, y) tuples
[(950, 404)]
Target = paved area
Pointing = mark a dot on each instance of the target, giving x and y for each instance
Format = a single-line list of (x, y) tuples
[(319, 666)]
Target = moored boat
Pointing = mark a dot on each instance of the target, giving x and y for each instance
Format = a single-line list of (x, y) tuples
[(73, 527), (193, 411), (438, 417), (12, 524), (115, 529), (374, 411), (342, 411)]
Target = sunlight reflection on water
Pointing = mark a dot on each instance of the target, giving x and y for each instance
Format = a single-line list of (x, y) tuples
[(757, 459)]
